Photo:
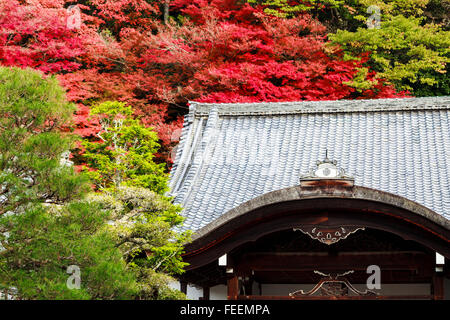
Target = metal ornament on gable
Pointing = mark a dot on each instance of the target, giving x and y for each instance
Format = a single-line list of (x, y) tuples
[(326, 176)]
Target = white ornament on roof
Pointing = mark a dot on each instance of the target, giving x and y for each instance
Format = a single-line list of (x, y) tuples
[(326, 169)]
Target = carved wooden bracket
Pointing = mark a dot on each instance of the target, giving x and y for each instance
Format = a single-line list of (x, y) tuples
[(333, 285), (328, 235)]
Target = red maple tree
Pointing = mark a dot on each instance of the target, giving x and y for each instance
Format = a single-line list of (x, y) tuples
[(215, 51)]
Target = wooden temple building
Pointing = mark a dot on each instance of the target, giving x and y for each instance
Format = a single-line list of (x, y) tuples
[(316, 200)]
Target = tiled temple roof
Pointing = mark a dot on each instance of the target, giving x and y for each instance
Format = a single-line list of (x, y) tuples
[(231, 153)]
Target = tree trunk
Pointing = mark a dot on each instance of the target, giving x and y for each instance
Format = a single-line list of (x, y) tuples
[(166, 11)]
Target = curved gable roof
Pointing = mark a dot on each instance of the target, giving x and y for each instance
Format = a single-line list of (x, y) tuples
[(231, 153)]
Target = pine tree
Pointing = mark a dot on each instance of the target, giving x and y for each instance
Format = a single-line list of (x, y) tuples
[(45, 224)]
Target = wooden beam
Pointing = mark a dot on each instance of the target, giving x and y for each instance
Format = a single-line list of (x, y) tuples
[(308, 277), (233, 288), (248, 286), (399, 297), (183, 287), (438, 286), (205, 293), (323, 262)]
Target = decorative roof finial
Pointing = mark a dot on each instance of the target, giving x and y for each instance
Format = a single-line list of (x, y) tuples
[(326, 169)]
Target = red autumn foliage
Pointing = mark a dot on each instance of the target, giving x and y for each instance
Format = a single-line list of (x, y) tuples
[(37, 37), (220, 51), (235, 53)]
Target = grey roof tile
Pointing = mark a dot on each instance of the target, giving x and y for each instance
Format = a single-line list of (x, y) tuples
[(242, 151)]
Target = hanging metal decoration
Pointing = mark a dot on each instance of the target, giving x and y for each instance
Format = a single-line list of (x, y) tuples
[(335, 285), (328, 235)]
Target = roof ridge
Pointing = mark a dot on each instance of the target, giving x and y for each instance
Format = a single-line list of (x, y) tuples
[(328, 106), (200, 152)]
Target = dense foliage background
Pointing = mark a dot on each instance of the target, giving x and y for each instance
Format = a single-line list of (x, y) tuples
[(103, 85), (156, 55)]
